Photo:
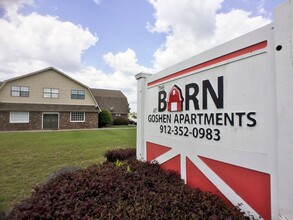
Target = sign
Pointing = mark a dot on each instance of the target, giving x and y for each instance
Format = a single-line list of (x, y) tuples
[(222, 119)]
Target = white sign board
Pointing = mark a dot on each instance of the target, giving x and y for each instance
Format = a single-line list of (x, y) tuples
[(223, 119)]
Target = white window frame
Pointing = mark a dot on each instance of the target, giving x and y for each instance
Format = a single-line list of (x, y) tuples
[(20, 91), (74, 120), (78, 94), (16, 117), (50, 93)]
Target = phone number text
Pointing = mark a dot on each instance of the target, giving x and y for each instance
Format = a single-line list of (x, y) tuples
[(207, 133)]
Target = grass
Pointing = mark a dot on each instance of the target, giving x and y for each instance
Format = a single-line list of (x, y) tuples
[(28, 158)]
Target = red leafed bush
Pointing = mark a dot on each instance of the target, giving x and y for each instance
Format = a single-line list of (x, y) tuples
[(120, 154), (129, 190)]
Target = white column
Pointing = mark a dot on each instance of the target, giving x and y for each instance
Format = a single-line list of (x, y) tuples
[(141, 90), (284, 82)]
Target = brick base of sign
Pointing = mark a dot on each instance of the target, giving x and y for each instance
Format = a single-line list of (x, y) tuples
[(35, 122)]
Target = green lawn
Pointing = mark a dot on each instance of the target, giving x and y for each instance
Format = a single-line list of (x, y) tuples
[(28, 158)]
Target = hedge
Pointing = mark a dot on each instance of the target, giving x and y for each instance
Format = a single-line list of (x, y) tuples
[(124, 189)]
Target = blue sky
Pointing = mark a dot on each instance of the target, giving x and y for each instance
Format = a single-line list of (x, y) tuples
[(119, 25), (105, 43)]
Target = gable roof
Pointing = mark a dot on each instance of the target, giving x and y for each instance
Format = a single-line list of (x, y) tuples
[(113, 100), (2, 84), (40, 71)]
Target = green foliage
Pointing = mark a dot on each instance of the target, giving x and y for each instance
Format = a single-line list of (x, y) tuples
[(105, 118), (118, 163), (128, 169), (133, 115), (120, 121), (29, 158)]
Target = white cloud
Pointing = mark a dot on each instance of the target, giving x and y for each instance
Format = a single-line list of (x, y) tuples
[(125, 67), (260, 7), (11, 7), (172, 17), (235, 23), (32, 42), (37, 41), (125, 62), (193, 26)]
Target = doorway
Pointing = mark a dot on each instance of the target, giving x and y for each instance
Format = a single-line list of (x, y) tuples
[(50, 121)]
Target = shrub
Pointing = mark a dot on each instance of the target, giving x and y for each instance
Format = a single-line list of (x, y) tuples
[(105, 118), (132, 190), (120, 154), (63, 170), (120, 121)]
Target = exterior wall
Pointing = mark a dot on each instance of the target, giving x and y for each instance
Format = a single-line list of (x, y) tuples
[(35, 122), (91, 121), (115, 116), (125, 116), (47, 79)]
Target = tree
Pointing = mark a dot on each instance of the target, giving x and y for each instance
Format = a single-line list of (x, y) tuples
[(133, 115), (105, 118)]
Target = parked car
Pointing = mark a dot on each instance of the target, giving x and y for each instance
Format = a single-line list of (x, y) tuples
[(132, 121)]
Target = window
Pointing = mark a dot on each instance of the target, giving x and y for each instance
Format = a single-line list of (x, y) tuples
[(19, 117), (51, 93), (77, 117), (77, 94), (20, 91)]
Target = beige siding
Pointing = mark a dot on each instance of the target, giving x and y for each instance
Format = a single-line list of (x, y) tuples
[(47, 79)]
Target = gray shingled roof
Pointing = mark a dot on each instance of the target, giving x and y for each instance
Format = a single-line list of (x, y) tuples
[(46, 107), (112, 100)]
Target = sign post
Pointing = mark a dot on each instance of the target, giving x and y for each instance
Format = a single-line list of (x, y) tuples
[(222, 119)]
